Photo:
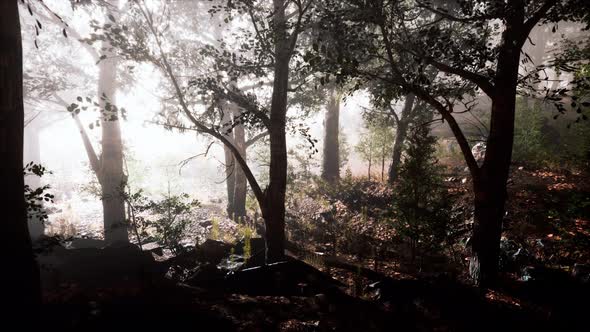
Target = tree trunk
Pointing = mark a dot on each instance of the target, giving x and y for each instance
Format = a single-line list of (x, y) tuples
[(274, 205), (401, 132), (112, 178), (20, 279), (237, 184), (369, 170), (230, 166), (241, 183), (331, 161), (490, 183), (382, 165)]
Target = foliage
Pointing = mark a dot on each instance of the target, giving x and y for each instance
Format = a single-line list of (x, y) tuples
[(164, 220), (421, 206), (343, 148), (376, 143), (529, 140), (300, 165), (540, 141), (34, 198), (214, 234)]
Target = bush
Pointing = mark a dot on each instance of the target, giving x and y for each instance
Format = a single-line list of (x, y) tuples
[(542, 141), (529, 139), (165, 220), (422, 209)]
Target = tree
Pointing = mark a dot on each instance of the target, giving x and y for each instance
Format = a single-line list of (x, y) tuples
[(22, 285), (108, 164), (401, 128), (331, 150), (110, 172), (476, 46), (422, 208), (375, 144), (275, 36)]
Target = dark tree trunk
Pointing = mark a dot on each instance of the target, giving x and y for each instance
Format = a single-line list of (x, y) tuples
[(331, 161), (401, 132), (369, 170), (240, 181), (230, 166), (382, 165), (273, 210), (111, 176), (229, 180), (20, 278), (490, 183), (237, 184)]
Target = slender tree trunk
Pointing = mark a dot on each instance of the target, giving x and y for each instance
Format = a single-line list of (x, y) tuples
[(382, 165), (274, 205), (237, 184), (490, 184), (331, 161), (230, 166), (369, 170), (241, 183), (20, 279), (401, 132), (112, 178)]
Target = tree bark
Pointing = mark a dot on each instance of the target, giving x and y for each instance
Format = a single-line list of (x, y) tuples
[(240, 181), (273, 210), (401, 132), (237, 184), (111, 177), (490, 184), (230, 166), (382, 164), (21, 279), (331, 160)]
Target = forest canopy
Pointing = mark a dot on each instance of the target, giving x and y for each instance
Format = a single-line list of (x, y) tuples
[(327, 156)]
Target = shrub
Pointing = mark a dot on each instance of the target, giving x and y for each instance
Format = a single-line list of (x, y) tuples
[(165, 220), (422, 209)]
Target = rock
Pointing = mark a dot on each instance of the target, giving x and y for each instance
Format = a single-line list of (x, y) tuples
[(231, 263), (80, 243), (288, 278), (101, 268), (581, 272), (213, 251), (257, 245), (153, 247), (545, 275), (205, 275), (206, 223), (479, 152)]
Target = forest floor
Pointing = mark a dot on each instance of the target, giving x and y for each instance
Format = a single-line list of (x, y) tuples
[(546, 238)]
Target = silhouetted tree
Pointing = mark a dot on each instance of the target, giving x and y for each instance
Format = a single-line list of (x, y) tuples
[(20, 277)]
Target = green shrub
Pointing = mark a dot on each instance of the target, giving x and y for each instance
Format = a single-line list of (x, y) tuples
[(165, 220), (422, 209)]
